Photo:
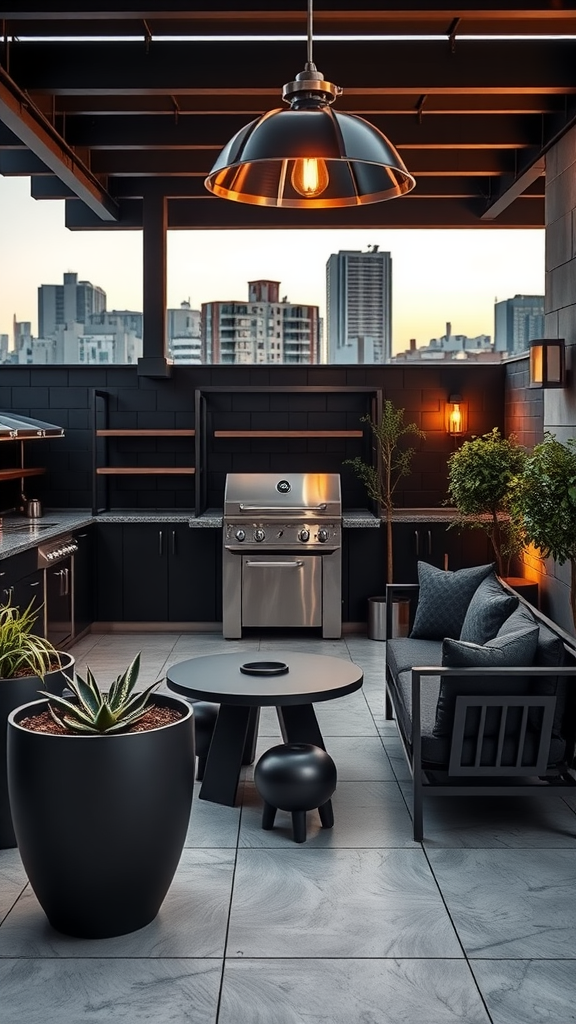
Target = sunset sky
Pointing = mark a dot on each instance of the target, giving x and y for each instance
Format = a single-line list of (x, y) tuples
[(437, 276)]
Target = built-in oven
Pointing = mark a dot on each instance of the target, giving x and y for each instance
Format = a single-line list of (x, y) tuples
[(56, 558)]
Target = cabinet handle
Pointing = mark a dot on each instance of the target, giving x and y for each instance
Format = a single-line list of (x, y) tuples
[(446, 561), (417, 540), (37, 584), (66, 582), (429, 542), (173, 542), (160, 542), (81, 536)]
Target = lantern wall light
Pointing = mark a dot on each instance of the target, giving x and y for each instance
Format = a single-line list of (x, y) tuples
[(547, 363), (310, 156), (456, 416)]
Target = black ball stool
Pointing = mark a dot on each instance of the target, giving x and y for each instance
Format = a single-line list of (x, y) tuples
[(205, 716), (296, 777)]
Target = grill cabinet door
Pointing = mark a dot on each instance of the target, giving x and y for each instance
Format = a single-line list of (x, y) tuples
[(281, 590)]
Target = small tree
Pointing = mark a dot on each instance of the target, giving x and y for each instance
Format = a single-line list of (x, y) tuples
[(393, 462), (482, 476), (546, 500)]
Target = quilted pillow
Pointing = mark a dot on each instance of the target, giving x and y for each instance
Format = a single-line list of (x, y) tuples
[(444, 598), (513, 649), (550, 651), (489, 608)]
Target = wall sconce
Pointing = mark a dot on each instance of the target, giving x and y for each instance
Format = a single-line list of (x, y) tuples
[(547, 363), (456, 416)]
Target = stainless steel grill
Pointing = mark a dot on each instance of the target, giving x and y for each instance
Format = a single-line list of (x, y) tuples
[(282, 558)]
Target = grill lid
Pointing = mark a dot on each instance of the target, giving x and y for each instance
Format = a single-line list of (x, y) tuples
[(250, 494)]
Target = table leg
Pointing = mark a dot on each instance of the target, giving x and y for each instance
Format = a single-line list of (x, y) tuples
[(224, 759), (298, 724), (251, 737)]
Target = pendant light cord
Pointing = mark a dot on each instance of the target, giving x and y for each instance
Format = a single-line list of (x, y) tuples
[(310, 62)]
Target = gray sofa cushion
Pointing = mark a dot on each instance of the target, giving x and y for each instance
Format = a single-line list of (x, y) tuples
[(443, 599), (512, 649), (436, 749), (489, 607), (549, 651), (402, 654)]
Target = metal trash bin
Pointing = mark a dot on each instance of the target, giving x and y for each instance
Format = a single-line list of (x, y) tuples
[(377, 618)]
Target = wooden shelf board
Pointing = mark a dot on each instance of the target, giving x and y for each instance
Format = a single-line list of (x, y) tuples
[(288, 433), (16, 474), (145, 433), (145, 470)]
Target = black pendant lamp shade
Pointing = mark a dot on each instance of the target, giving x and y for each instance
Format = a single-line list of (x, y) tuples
[(309, 156)]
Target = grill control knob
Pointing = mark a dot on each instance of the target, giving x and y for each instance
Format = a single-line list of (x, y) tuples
[(304, 535), (322, 535), (259, 535), (240, 534)]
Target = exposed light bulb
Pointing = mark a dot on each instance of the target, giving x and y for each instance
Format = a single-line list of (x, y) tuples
[(310, 177), (456, 420)]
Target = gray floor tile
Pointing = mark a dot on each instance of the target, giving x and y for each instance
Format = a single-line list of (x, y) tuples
[(357, 758), (510, 904), (212, 825), (527, 991), (191, 922), (105, 991), (367, 814), (12, 879), (346, 903), (349, 991)]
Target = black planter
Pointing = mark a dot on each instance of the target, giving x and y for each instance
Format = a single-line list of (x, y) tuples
[(101, 820), (13, 693)]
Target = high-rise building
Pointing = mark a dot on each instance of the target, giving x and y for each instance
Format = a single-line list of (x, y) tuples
[(359, 303), (517, 321), (266, 329), (73, 301)]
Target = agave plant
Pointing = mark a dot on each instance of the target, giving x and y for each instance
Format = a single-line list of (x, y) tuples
[(20, 648), (98, 712)]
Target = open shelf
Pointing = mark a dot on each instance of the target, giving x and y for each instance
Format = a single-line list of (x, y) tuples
[(17, 474), (145, 433), (288, 433), (144, 470)]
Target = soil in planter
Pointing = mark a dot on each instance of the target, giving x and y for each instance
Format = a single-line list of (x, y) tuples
[(154, 718), (24, 671)]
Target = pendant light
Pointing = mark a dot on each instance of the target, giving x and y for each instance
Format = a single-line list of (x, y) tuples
[(309, 156)]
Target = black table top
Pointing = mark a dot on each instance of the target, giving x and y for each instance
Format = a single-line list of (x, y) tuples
[(310, 678)]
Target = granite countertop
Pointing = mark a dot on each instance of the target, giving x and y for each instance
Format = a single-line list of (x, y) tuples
[(20, 534)]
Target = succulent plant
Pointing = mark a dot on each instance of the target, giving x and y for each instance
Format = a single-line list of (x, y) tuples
[(20, 648), (96, 712)]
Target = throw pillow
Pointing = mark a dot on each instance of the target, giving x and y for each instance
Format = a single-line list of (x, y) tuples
[(513, 649), (444, 598), (550, 651), (489, 608)]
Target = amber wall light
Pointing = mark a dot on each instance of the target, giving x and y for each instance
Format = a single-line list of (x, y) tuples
[(309, 157), (547, 363), (456, 416)]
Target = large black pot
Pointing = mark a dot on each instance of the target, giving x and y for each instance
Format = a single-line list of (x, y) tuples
[(101, 820), (13, 693)]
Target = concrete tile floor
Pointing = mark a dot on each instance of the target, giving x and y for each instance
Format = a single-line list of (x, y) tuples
[(360, 924)]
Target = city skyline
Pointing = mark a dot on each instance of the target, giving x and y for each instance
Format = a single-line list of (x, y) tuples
[(437, 275)]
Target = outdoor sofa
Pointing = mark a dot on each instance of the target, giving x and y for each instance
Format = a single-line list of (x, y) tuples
[(483, 690)]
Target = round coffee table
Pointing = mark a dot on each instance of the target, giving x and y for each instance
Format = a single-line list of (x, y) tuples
[(310, 678)]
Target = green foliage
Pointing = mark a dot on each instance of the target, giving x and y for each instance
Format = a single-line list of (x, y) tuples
[(20, 649), (546, 501), (97, 712), (547, 498), (393, 461), (483, 475)]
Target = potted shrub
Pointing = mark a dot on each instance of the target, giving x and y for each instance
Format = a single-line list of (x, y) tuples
[(381, 478), (546, 503), (482, 476), (27, 662), (101, 790)]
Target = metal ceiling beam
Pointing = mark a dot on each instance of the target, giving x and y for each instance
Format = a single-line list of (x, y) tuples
[(398, 68), (42, 141), (197, 131), (411, 212)]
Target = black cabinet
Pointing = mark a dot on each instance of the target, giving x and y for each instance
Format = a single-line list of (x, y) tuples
[(156, 572), (84, 591), (22, 582)]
